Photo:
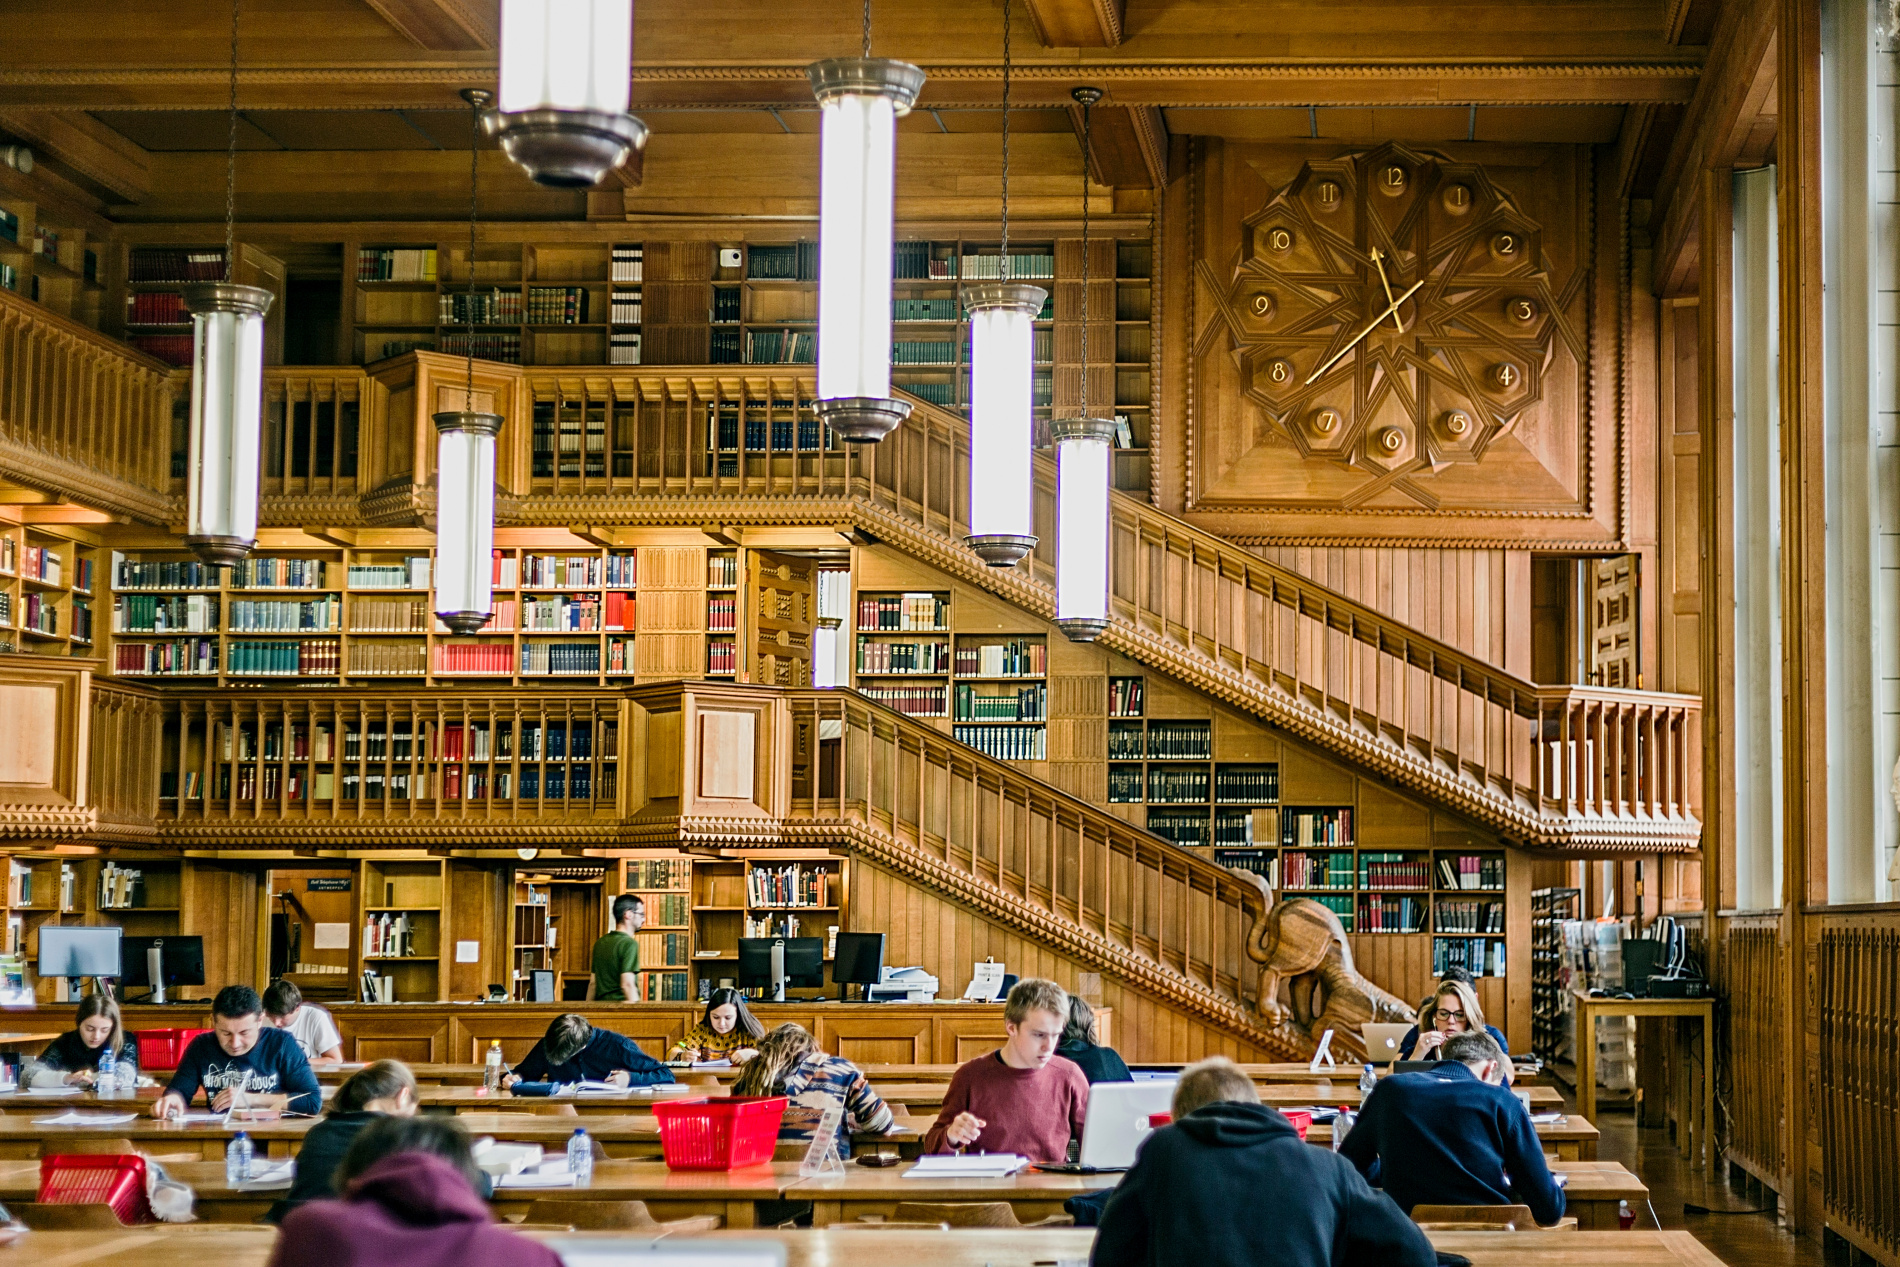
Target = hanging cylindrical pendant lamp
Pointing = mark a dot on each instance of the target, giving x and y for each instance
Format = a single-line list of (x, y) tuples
[(1084, 454), (465, 465), (1002, 350), (860, 99), (227, 387), (565, 72)]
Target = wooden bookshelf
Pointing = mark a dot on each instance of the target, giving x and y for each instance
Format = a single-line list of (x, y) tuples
[(665, 882), (722, 614), (1000, 694), (901, 655), (54, 258), (49, 592)]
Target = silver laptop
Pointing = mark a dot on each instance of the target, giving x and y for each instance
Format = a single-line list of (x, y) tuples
[(1118, 1121), (1382, 1042)]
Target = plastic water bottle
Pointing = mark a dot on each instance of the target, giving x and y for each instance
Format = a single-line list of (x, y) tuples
[(106, 1082), (491, 1068), (1342, 1124), (1625, 1217), (237, 1160), (128, 1077), (580, 1157), (1367, 1080)]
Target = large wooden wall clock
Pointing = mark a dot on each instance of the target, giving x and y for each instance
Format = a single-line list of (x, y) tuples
[(1393, 334)]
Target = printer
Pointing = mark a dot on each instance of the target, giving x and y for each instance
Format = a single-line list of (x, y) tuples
[(902, 985)]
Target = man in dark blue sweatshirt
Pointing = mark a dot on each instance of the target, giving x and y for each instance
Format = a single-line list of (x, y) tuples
[(242, 1057), (574, 1051), (1454, 1137), (1231, 1184)]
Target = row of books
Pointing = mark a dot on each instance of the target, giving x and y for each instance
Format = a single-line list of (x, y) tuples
[(915, 701), (579, 571), (148, 613), (387, 659), (1182, 829), (795, 262), (1183, 787), (722, 615), (1015, 658), (649, 875), (176, 264), (9, 555), (560, 658), (1468, 917), (254, 616), (1318, 870), (1125, 785), (780, 434), (43, 563), (482, 308), (672, 950), (1471, 871), (407, 615), (121, 888), (1180, 741), (557, 305), (628, 263), (267, 573), (923, 352), (1316, 827), (780, 347), (505, 348), (1125, 696), (893, 658), (39, 614), (722, 656), (623, 347), (1481, 957), (1246, 784), (903, 612), (81, 621), (793, 884), (156, 308), (669, 908), (620, 655), (1393, 871), (180, 657), (722, 571), (411, 574), (1231, 828), (584, 614), (46, 242), (669, 987), (925, 310), (1391, 915), (497, 658), (173, 349), (1028, 703), (727, 305), (395, 264), (306, 656), (990, 267), (624, 308), (1007, 743)]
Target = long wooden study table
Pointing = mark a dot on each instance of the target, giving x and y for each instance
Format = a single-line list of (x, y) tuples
[(1594, 1189), (191, 1245)]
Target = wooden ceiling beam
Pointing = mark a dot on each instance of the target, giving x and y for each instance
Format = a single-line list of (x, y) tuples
[(1129, 146), (443, 26), (1077, 23), (86, 147)]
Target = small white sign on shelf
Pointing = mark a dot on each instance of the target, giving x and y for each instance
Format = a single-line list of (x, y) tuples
[(468, 952), (986, 983)]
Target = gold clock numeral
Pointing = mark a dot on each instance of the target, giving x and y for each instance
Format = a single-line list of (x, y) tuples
[(1327, 194), (1457, 422), (1392, 179), (1279, 372), (1523, 310), (1505, 375), (1326, 421), (1391, 439), (1506, 244), (1262, 305), (1458, 199), (1279, 240)]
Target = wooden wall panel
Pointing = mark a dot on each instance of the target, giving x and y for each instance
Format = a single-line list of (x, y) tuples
[(480, 905), (1678, 584), (222, 903)]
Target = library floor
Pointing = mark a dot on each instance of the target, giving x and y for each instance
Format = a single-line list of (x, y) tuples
[(1740, 1240)]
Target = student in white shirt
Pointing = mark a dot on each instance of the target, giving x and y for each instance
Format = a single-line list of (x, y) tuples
[(309, 1024)]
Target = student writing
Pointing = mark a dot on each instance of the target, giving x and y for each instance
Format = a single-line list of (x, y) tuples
[(241, 1058)]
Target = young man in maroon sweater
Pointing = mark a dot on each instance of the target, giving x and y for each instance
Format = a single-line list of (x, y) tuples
[(1022, 1098)]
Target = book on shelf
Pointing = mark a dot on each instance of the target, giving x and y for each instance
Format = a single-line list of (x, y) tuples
[(648, 875), (1182, 828), (176, 264), (557, 305), (903, 613), (722, 656), (1021, 267), (411, 574), (1318, 870), (1306, 827), (1125, 696), (1246, 785), (154, 613), (1480, 956), (1006, 743), (722, 614), (558, 659), (494, 658), (1386, 914), (1183, 787), (320, 657), (1180, 740), (914, 701), (1393, 871), (505, 348), (894, 658), (1262, 862), (388, 659), (628, 262), (623, 347), (792, 884), (179, 657), (1468, 917), (274, 573), (396, 615), (395, 264), (1471, 871), (266, 616), (156, 308), (1017, 657)]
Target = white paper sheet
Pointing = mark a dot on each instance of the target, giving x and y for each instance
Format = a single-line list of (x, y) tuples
[(967, 1166), (76, 1118), (554, 1174), (331, 937), (51, 1092), (468, 952), (270, 1178), (190, 1118)]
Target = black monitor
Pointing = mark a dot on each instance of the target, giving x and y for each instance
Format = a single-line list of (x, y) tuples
[(859, 960), (804, 962), (184, 959)]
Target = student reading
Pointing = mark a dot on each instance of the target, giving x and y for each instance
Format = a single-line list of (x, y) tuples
[(1021, 1098), (309, 1024), (1231, 1184), (242, 1056), (616, 960), (72, 1059), (1453, 1136), (728, 1031), (1083, 1044), (574, 1051)]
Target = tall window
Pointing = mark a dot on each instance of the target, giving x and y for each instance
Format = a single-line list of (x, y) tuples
[(1756, 331)]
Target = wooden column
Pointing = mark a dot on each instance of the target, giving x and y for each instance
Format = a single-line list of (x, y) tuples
[(1716, 386), (1803, 580)]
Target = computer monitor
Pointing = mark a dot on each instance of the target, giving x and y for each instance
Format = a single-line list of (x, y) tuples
[(859, 960), (183, 959), (804, 963), (80, 952)]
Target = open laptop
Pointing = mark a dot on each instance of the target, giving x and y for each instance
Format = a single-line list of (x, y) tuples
[(1117, 1123), (1382, 1042)]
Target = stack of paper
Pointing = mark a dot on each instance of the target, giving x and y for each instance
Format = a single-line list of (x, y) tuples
[(968, 1166), (76, 1118), (591, 1087), (501, 1160), (268, 1177), (54, 1091), (553, 1174)]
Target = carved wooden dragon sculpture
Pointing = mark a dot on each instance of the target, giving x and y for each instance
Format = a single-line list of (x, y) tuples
[(1307, 982)]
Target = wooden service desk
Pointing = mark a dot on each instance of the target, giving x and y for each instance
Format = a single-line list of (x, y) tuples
[(193, 1244), (459, 1033), (1700, 1111)]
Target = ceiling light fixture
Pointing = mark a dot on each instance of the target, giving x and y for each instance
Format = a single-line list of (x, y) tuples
[(860, 99), (227, 387), (1002, 340), (1083, 455), (566, 68), (465, 458)]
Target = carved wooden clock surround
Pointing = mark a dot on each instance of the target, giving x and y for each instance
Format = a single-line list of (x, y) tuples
[(1394, 317)]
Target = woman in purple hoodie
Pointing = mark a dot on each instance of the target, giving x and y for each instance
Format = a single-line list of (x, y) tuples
[(409, 1196)]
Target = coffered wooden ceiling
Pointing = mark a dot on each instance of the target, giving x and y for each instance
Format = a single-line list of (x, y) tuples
[(104, 89)]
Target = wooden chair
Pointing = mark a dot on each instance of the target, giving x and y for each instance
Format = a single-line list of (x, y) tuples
[(619, 1216), (972, 1214), (1484, 1218), (91, 1216), (554, 1110)]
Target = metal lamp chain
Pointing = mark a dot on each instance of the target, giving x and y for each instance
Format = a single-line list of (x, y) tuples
[(468, 315), (866, 50), (1087, 121), (1005, 265), (230, 161)]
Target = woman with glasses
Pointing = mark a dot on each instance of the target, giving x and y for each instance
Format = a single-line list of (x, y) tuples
[(1453, 1009)]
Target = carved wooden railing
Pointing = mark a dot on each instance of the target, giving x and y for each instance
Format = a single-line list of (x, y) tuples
[(1859, 998), (81, 414), (1756, 1036)]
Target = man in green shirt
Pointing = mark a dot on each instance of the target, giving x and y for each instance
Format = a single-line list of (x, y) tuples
[(617, 955)]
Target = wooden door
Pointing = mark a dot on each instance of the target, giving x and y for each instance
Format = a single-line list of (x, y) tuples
[(1613, 621), (781, 598)]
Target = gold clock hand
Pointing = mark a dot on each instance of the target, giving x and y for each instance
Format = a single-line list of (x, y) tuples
[(1378, 262), (1390, 309)]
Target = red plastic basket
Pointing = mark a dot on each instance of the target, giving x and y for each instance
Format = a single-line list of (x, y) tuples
[(1300, 1118), (114, 1179), (719, 1134), (163, 1048)]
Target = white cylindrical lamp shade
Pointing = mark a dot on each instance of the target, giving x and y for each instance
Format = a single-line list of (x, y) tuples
[(565, 71), (859, 101), (1083, 458), (465, 518), (227, 404), (1002, 342)]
